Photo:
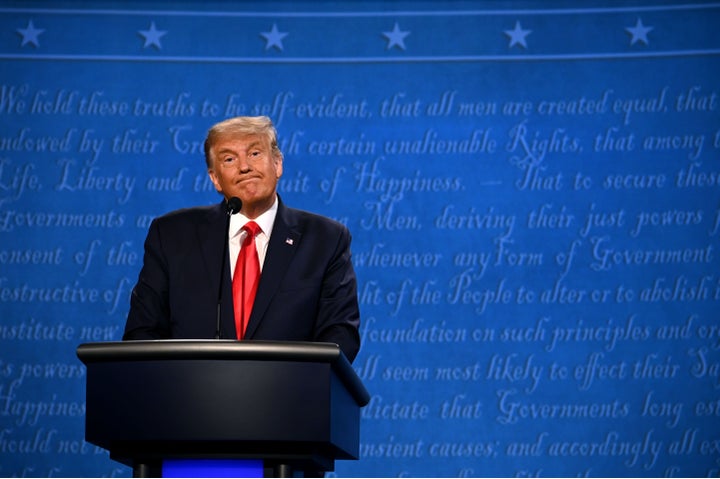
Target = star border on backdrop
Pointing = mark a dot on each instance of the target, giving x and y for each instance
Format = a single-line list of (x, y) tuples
[(30, 34), (152, 36), (396, 38), (639, 32), (274, 38), (517, 35)]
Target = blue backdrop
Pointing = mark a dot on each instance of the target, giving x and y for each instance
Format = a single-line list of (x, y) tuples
[(533, 190)]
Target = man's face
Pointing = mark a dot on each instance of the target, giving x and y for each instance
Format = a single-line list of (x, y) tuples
[(244, 166)]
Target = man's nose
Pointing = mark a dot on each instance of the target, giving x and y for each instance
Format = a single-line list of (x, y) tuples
[(243, 164)]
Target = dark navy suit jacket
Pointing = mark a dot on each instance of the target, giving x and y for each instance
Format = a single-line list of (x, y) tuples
[(307, 289)]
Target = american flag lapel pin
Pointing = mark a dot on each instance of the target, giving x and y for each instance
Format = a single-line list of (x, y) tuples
[(289, 241)]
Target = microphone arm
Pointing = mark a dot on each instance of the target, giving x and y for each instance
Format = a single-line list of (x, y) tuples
[(233, 206)]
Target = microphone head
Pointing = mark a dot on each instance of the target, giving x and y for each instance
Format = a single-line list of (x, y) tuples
[(233, 205)]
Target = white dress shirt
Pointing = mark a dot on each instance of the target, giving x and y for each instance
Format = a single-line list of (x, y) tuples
[(236, 235)]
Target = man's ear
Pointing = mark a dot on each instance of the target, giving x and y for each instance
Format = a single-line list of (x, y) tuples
[(214, 179), (278, 166)]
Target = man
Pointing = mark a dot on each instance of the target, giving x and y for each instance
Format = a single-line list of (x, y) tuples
[(307, 290)]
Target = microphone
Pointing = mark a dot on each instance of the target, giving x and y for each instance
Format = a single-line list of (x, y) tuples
[(233, 206)]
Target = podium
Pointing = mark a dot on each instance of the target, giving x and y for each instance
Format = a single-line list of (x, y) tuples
[(293, 405)]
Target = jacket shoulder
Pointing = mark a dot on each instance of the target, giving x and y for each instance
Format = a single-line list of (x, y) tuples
[(191, 215), (308, 220)]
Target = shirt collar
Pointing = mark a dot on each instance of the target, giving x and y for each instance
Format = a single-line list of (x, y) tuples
[(265, 220)]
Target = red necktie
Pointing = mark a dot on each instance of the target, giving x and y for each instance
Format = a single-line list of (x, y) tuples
[(246, 278)]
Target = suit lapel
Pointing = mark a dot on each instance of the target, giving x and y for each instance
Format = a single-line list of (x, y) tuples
[(284, 241), (210, 235)]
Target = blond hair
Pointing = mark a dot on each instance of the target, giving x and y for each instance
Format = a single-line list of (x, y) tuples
[(242, 125)]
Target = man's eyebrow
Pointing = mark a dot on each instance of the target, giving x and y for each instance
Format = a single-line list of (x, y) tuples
[(226, 150), (254, 144)]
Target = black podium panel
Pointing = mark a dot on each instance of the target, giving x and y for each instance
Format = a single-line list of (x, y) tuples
[(296, 404)]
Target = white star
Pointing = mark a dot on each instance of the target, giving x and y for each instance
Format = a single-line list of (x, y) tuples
[(639, 32), (30, 34), (517, 36), (152, 36), (273, 38), (396, 38)]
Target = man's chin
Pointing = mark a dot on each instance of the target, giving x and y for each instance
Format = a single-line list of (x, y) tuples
[(256, 201)]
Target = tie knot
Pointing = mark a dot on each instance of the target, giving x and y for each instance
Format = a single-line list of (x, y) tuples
[(252, 228)]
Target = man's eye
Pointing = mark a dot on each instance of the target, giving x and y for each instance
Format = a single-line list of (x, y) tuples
[(229, 159)]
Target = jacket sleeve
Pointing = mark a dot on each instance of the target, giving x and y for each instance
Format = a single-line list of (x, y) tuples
[(149, 314), (338, 318)]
